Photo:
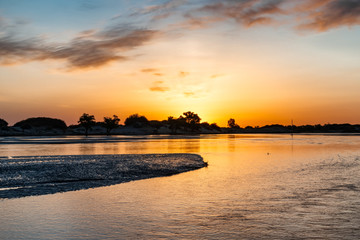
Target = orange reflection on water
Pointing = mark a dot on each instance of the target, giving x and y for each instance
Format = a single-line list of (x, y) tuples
[(256, 186)]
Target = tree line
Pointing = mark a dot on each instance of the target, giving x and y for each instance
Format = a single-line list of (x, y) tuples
[(188, 122)]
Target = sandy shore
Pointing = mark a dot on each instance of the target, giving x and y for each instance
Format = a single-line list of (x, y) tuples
[(38, 175)]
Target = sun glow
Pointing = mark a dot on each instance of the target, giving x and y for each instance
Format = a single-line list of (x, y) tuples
[(208, 62)]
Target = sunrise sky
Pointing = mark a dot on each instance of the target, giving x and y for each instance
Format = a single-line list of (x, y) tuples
[(257, 61)]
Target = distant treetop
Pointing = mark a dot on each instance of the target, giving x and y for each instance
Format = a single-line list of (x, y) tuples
[(42, 122), (232, 124), (111, 123), (3, 123), (191, 117), (135, 120), (87, 121)]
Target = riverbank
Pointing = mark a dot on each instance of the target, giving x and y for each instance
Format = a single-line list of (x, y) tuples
[(165, 129)]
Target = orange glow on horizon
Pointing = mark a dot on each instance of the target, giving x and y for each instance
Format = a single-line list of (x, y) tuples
[(219, 68)]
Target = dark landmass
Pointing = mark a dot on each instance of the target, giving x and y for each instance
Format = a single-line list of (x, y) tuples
[(42, 122), (39, 175), (189, 124)]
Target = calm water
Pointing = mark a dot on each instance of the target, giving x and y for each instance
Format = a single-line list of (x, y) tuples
[(255, 187)]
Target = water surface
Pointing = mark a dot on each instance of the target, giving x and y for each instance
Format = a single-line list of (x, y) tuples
[(255, 187)]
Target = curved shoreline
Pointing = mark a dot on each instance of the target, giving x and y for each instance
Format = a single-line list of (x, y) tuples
[(39, 175)]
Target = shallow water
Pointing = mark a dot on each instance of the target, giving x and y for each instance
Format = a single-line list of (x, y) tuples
[(255, 187)]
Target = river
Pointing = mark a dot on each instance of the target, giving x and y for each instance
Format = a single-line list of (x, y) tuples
[(260, 186)]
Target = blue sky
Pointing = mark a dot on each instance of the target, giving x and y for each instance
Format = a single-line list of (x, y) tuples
[(259, 62)]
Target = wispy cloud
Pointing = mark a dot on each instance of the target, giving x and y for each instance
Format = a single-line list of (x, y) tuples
[(90, 49), (149, 70), (152, 71), (245, 12), (183, 74), (319, 15), (158, 87), (189, 94), (2, 22), (89, 5), (158, 74), (160, 11), (96, 48), (216, 75), (328, 14)]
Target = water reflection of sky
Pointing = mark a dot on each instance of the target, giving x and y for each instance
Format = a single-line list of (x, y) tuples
[(256, 186), (12, 146)]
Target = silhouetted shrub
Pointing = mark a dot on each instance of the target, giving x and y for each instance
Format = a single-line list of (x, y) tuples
[(135, 120), (41, 122), (205, 125), (3, 124), (274, 128), (215, 127)]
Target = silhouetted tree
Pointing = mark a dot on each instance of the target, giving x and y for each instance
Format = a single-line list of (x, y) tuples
[(192, 120), (3, 124), (111, 123), (232, 124), (175, 124), (136, 120), (87, 121)]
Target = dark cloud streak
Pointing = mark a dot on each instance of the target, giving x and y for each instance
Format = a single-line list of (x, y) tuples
[(90, 50), (159, 11), (13, 51), (244, 12), (319, 15), (332, 14)]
